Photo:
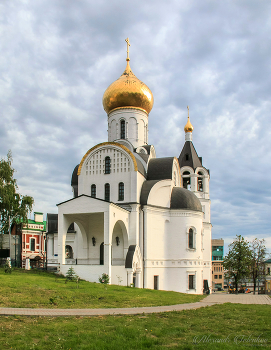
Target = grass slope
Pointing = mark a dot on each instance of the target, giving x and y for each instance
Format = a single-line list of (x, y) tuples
[(228, 326), (36, 289)]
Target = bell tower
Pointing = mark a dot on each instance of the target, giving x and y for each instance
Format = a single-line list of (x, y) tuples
[(195, 177)]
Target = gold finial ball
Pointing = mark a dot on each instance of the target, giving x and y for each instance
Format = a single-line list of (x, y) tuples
[(188, 127), (128, 91)]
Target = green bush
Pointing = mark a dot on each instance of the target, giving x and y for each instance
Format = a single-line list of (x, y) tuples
[(104, 279), (71, 275), (7, 267)]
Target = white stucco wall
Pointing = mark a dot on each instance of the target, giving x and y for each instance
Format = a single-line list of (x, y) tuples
[(136, 125), (167, 253)]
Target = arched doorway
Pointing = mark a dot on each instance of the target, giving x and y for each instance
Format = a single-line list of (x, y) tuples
[(119, 244), (69, 252)]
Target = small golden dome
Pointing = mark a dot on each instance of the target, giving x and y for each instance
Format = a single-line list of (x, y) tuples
[(188, 127), (128, 91)]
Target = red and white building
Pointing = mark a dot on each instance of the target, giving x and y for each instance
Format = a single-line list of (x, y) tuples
[(32, 237)]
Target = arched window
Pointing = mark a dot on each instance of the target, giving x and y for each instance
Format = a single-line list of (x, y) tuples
[(107, 192), (93, 191), (186, 180), (69, 252), (32, 244), (102, 254), (107, 169), (200, 181), (121, 191), (122, 129), (191, 241)]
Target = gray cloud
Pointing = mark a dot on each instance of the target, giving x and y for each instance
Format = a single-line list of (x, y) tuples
[(58, 57)]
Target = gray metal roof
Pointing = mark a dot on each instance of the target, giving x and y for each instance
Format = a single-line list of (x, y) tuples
[(52, 224), (140, 166), (189, 156), (160, 168), (181, 198), (145, 191), (147, 148), (74, 179), (129, 257)]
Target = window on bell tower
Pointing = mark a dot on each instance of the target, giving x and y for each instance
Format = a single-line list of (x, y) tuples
[(200, 181), (186, 180)]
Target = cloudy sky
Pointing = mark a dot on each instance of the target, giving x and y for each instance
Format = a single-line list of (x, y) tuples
[(58, 57)]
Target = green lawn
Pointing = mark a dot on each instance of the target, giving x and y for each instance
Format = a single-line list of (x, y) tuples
[(228, 326), (36, 289)]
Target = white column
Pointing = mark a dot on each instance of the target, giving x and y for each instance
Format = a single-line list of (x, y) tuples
[(107, 242), (134, 225), (138, 278), (193, 180), (145, 242), (27, 264), (62, 233), (206, 183), (129, 277)]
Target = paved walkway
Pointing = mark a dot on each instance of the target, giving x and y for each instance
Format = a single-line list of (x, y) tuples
[(216, 298)]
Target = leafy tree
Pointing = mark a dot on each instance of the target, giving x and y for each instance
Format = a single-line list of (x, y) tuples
[(257, 265), (14, 207), (238, 261)]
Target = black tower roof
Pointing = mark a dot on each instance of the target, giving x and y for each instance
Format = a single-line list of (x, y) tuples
[(189, 156)]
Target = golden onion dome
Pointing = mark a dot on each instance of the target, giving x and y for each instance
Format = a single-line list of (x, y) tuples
[(128, 91), (188, 127)]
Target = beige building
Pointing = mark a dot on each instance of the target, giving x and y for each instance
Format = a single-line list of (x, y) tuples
[(217, 264), (268, 276)]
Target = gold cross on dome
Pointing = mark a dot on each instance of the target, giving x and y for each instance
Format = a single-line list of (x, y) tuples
[(128, 44), (188, 110)]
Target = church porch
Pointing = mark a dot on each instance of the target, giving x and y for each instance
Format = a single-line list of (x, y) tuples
[(102, 239)]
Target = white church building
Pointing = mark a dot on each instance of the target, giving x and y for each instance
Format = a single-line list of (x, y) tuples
[(142, 220)]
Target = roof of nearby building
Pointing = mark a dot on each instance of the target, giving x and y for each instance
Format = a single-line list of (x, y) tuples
[(32, 225), (218, 242), (181, 198), (268, 261)]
